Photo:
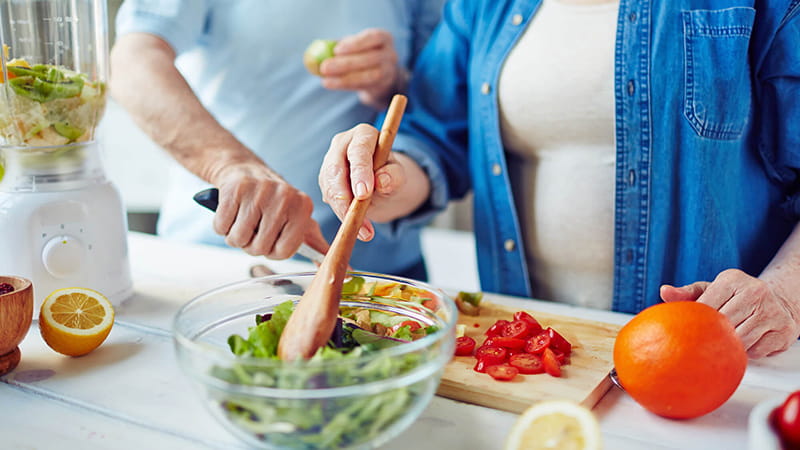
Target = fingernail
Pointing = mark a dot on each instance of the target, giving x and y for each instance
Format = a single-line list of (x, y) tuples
[(383, 180), (363, 235), (361, 190)]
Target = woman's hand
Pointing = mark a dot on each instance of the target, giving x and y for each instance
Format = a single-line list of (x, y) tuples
[(367, 63), (766, 320), (400, 186), (262, 214)]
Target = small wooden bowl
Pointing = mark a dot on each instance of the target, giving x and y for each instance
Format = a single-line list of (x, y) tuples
[(16, 313)]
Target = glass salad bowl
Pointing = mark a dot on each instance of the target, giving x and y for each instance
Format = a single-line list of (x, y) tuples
[(380, 369)]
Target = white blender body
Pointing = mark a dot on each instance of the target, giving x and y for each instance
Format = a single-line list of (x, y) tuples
[(62, 222)]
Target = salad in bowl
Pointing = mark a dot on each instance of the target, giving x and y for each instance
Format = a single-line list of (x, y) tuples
[(379, 370)]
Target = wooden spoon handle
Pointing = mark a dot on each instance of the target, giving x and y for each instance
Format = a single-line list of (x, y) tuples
[(313, 320)]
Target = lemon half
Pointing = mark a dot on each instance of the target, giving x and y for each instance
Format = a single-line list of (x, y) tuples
[(555, 424), (75, 321)]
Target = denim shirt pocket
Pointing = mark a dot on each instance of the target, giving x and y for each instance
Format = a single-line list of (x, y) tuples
[(717, 91)]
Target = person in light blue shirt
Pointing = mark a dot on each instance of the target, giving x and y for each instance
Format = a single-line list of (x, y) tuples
[(222, 87), (703, 198)]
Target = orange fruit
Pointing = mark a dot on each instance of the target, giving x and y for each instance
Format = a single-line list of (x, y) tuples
[(680, 359), (75, 321)]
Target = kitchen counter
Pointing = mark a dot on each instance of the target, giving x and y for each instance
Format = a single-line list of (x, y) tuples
[(130, 393)]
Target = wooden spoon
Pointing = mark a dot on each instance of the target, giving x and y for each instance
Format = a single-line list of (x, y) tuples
[(313, 320)]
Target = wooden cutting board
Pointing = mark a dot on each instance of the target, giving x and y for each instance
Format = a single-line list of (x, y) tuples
[(584, 380)]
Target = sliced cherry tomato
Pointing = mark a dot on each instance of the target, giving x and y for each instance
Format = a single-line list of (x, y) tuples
[(502, 372), (507, 342), (787, 420), (492, 355), (560, 357), (557, 342), (527, 363), (517, 329), (525, 317), (465, 345), (480, 366), (511, 352), (551, 364), (431, 304), (538, 343), (412, 325), (497, 328)]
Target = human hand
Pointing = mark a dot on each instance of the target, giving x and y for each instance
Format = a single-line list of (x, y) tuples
[(347, 172), (262, 214), (367, 63), (766, 321)]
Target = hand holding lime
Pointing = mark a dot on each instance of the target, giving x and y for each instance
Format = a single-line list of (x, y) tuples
[(319, 50)]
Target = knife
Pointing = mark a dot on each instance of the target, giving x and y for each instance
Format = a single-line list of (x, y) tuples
[(210, 199)]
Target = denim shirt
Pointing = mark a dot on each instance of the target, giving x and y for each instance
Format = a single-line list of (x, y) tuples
[(707, 96)]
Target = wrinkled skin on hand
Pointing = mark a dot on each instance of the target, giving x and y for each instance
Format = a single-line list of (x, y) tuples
[(368, 64), (262, 214), (347, 173), (766, 320)]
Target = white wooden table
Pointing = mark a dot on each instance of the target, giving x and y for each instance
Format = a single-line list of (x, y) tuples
[(130, 394)]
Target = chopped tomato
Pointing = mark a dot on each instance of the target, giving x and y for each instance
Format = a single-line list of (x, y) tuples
[(480, 366), (538, 343), (560, 357), (492, 355), (506, 342), (497, 328), (517, 329), (525, 317), (557, 342), (551, 364), (412, 324), (431, 304), (787, 420), (502, 372), (465, 345), (527, 363)]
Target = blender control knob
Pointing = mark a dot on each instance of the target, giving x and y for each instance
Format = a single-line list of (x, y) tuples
[(63, 256)]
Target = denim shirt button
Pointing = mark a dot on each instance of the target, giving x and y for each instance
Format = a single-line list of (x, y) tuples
[(631, 177), (496, 169), (632, 17), (631, 87), (486, 88), (516, 19), (510, 245)]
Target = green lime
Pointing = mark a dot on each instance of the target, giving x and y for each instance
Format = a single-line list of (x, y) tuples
[(319, 50)]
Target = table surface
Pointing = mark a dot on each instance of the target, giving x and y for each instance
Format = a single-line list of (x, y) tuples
[(130, 393)]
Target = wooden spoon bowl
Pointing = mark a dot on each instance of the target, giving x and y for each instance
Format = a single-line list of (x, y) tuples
[(16, 313)]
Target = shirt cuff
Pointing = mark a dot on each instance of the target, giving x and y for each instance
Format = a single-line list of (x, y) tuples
[(438, 199)]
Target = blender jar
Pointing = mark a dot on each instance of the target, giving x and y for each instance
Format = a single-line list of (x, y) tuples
[(54, 71)]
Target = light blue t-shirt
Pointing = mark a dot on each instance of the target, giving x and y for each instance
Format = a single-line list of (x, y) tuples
[(243, 58)]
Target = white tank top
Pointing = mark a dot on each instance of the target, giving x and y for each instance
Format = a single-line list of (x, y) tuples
[(556, 96)]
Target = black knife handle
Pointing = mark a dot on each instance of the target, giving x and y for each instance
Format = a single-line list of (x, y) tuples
[(208, 198)]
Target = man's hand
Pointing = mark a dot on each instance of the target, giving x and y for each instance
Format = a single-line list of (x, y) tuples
[(264, 215), (367, 63), (766, 321)]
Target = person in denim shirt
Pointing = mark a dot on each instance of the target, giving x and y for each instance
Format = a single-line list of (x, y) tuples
[(221, 86), (705, 170)]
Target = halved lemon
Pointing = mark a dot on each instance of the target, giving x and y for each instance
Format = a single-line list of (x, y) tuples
[(555, 424), (75, 321)]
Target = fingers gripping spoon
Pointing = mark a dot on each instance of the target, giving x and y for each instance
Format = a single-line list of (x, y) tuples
[(314, 318)]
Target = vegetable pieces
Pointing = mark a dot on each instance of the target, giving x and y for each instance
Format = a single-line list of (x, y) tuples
[(46, 105), (517, 346)]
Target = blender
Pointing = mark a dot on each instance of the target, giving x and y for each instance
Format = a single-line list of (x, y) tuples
[(62, 222)]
